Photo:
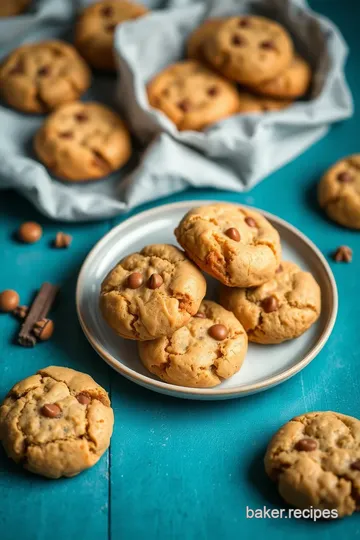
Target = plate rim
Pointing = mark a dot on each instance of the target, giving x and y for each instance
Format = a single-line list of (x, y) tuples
[(215, 392)]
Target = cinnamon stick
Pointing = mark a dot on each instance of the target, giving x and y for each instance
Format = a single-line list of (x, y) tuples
[(38, 310)]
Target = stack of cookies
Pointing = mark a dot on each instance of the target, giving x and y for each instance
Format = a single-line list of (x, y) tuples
[(235, 65), (157, 296)]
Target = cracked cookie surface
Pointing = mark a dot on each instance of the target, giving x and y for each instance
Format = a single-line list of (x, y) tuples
[(39, 77), (339, 192), (95, 28), (73, 438), (249, 49), (191, 356), (315, 460), (282, 308), (246, 258), (83, 141), (192, 96), (151, 293)]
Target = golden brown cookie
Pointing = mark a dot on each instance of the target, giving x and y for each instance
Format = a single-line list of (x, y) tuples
[(315, 461), (39, 77), (209, 349), (339, 192), (290, 84), (10, 8), (249, 49), (192, 96), (57, 422), (151, 293), (235, 245), (199, 37), (282, 308), (83, 141), (251, 103), (94, 32)]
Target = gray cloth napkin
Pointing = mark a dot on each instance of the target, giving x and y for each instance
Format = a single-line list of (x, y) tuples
[(234, 154)]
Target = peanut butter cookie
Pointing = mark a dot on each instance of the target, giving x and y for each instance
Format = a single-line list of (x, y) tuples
[(315, 461), (57, 422), (10, 8), (94, 33), (209, 349), (83, 141), (199, 37), (235, 245), (282, 308), (339, 192), (192, 96), (39, 77), (249, 49), (152, 293)]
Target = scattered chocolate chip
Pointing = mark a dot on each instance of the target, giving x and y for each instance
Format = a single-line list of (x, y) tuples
[(44, 71), (184, 105), (250, 221), (9, 300), (106, 11), (17, 69), (200, 315), (51, 410), (356, 465), (213, 91), (43, 329), (66, 135), (244, 23), (345, 177), (30, 232), (233, 234), (81, 117), (270, 304), (110, 27), (306, 445), (84, 399), (155, 281), (279, 269), (218, 332), (267, 45), (343, 254), (62, 240), (21, 312), (135, 280), (237, 40)]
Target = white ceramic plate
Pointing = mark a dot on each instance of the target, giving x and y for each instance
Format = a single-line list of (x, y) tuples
[(264, 366)]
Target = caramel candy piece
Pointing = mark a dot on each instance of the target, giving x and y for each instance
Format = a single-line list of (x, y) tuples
[(9, 300), (218, 332)]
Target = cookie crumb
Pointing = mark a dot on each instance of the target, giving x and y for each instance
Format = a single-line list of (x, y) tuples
[(62, 240), (343, 254)]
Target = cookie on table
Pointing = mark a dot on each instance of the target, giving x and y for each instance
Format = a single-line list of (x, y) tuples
[(83, 141), (39, 77), (339, 192), (251, 103), (249, 49), (151, 293), (209, 349), (10, 8), (235, 245), (197, 39), (57, 422), (192, 96), (292, 83), (282, 308), (315, 461), (94, 32)]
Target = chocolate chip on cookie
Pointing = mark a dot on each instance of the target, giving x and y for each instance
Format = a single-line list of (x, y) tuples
[(306, 445), (218, 332), (233, 233), (135, 280), (84, 399), (270, 304), (155, 281), (51, 410)]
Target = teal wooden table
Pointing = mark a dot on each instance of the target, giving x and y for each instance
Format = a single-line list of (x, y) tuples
[(182, 469)]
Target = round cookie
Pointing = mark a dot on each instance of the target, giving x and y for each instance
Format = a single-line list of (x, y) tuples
[(209, 349), (57, 422), (94, 32), (235, 245), (251, 103), (83, 141), (339, 192), (39, 77), (280, 309), (151, 293), (197, 39), (192, 96), (315, 461), (249, 49), (10, 8), (290, 84)]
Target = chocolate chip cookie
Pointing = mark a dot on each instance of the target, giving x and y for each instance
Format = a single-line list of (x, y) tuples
[(151, 293), (192, 96), (315, 461), (235, 245), (251, 103), (10, 8), (282, 308), (83, 141), (199, 37), (209, 349), (339, 192), (39, 77), (94, 33), (57, 422), (249, 49)]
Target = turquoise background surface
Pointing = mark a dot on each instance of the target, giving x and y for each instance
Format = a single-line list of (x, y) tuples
[(182, 469)]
